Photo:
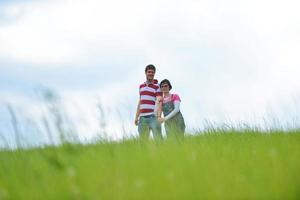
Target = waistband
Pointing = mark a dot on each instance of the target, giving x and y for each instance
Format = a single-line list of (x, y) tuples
[(148, 116)]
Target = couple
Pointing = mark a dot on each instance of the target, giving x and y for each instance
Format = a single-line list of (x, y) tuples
[(156, 99)]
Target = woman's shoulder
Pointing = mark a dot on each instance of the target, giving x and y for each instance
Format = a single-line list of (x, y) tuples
[(175, 97)]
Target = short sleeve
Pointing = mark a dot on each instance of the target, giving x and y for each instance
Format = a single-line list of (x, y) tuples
[(175, 97), (158, 92)]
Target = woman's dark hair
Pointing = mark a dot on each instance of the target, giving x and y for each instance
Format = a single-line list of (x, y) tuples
[(150, 67), (166, 81)]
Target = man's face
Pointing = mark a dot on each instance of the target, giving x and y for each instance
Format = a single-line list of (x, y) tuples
[(150, 74)]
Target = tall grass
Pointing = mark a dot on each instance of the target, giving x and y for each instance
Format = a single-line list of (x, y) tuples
[(215, 165)]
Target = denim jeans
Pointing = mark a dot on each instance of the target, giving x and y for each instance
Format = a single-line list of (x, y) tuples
[(147, 123)]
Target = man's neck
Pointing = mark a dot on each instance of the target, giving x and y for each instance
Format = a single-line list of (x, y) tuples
[(149, 81)]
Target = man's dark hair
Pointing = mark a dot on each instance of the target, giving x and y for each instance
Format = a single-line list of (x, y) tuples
[(150, 67), (166, 81)]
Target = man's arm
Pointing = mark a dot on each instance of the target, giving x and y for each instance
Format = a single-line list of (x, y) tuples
[(158, 103), (136, 121), (158, 106)]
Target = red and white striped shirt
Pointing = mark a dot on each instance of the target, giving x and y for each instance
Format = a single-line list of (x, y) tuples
[(148, 94)]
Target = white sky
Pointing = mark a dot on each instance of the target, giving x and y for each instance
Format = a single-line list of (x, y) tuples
[(228, 60)]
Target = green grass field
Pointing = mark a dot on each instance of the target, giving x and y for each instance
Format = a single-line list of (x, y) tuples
[(220, 165)]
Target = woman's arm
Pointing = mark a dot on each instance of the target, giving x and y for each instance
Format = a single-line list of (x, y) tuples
[(174, 112)]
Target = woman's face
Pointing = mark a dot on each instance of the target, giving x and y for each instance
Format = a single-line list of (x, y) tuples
[(164, 87)]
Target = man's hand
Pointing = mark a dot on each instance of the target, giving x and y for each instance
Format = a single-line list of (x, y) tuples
[(136, 121), (161, 120)]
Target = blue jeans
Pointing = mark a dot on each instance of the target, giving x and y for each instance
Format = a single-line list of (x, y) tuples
[(147, 123)]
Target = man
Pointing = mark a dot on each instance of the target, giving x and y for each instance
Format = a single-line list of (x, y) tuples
[(146, 113)]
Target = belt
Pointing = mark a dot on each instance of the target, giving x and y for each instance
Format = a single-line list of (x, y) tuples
[(148, 116)]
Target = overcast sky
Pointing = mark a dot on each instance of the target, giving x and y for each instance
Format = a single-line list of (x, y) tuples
[(230, 61)]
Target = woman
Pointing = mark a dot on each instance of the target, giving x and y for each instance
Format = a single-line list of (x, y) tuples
[(174, 121)]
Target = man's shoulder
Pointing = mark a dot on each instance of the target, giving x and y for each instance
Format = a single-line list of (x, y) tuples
[(143, 85), (155, 81)]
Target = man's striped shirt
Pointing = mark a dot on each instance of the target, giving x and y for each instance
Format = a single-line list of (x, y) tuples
[(148, 94)]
